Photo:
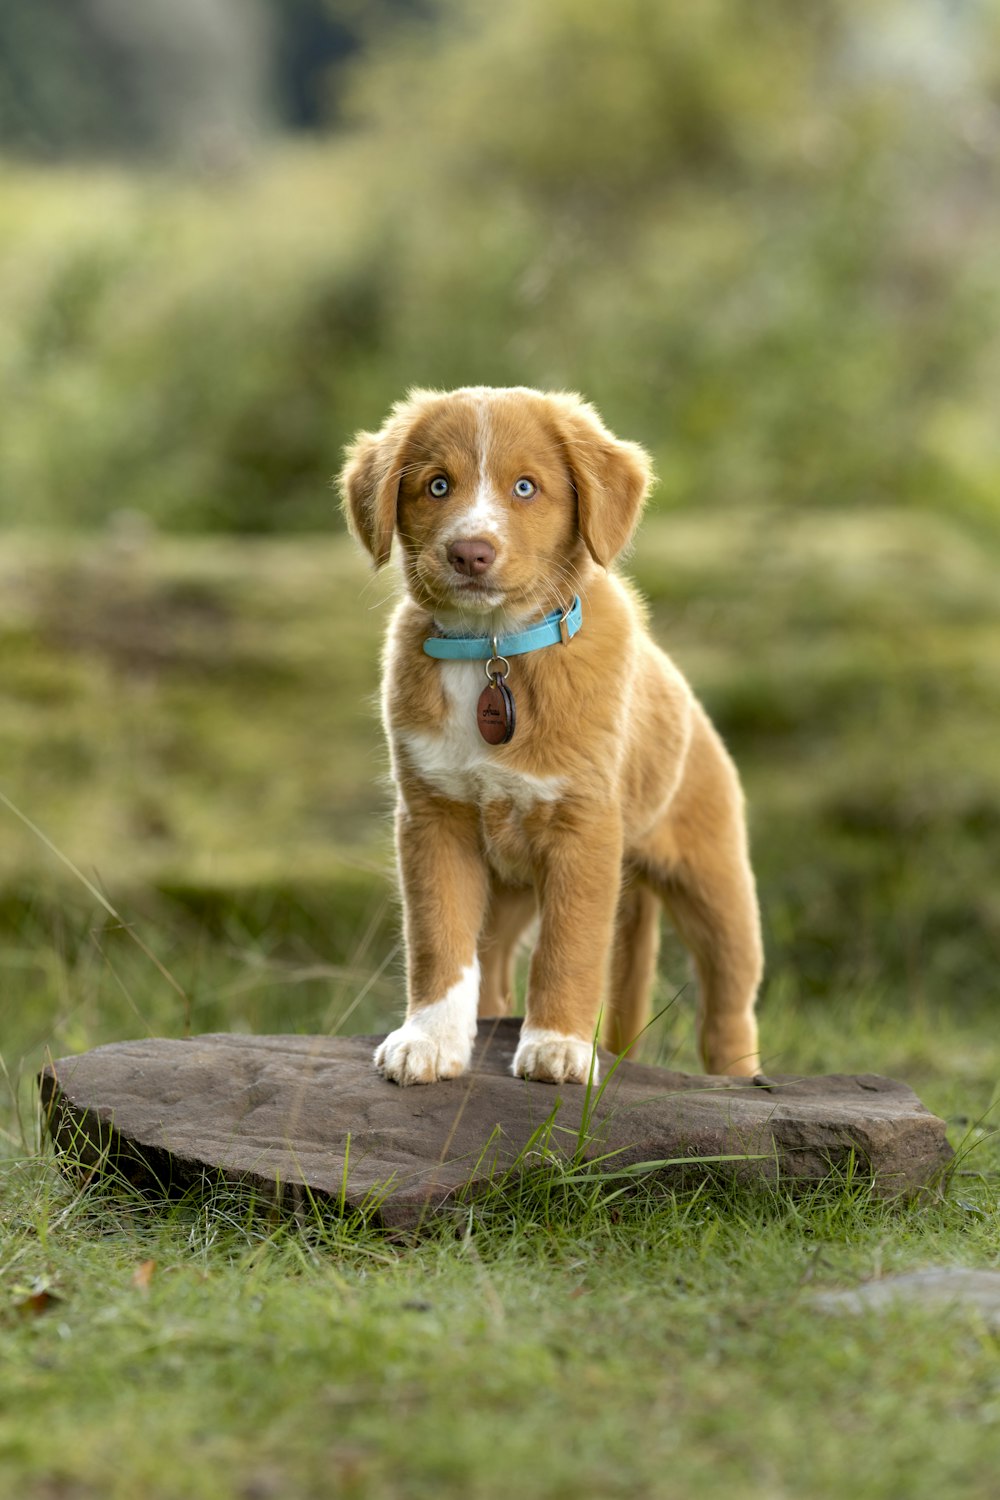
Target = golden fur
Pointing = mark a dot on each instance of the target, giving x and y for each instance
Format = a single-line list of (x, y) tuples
[(615, 794)]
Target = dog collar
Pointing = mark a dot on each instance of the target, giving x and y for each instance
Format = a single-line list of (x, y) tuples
[(560, 625)]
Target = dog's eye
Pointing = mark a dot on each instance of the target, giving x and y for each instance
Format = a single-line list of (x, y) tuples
[(439, 487), (525, 488)]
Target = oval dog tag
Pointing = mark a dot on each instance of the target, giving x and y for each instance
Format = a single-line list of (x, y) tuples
[(495, 713)]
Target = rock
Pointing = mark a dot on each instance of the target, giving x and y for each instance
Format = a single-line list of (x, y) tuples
[(950, 1287), (286, 1112)]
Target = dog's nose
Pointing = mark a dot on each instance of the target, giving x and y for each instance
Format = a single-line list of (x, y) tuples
[(472, 556)]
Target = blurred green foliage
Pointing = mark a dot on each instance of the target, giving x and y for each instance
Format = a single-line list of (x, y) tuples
[(761, 238)]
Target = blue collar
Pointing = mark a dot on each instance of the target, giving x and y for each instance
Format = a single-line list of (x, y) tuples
[(556, 627)]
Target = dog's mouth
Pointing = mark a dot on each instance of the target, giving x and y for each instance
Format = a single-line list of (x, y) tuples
[(478, 594), (463, 587), (481, 604), (474, 595)]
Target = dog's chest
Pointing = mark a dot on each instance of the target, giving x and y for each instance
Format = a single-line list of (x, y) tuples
[(454, 758)]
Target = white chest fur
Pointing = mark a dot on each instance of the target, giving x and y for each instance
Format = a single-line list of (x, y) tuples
[(456, 761)]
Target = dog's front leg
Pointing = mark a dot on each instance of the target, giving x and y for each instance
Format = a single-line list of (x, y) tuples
[(444, 883), (578, 885)]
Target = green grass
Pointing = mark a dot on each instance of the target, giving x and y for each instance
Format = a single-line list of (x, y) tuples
[(191, 726), (659, 1347)]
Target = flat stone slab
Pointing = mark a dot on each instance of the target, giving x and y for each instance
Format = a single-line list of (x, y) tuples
[(283, 1113)]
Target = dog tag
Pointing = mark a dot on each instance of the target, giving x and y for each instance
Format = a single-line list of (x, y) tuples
[(495, 713)]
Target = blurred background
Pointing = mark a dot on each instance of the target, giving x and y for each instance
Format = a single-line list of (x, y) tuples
[(762, 239)]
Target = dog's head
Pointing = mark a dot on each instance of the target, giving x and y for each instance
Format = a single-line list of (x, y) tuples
[(497, 496)]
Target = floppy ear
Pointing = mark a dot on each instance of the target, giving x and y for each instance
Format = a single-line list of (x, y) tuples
[(369, 487), (612, 479), (373, 467)]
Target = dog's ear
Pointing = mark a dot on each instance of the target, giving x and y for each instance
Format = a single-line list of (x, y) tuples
[(369, 488), (373, 467), (612, 479)]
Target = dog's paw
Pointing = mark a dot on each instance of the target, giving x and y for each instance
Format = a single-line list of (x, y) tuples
[(410, 1055), (730, 1050), (550, 1057)]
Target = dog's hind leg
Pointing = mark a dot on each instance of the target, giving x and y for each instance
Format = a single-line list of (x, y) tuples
[(698, 862), (633, 964), (510, 910), (718, 924)]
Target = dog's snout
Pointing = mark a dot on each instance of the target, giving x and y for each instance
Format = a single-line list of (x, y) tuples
[(472, 556)]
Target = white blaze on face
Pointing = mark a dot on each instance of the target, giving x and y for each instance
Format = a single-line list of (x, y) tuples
[(484, 517)]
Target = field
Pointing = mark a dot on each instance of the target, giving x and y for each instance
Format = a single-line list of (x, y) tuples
[(762, 239), (189, 738)]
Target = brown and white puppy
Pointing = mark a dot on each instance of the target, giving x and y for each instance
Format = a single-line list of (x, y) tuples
[(614, 795)]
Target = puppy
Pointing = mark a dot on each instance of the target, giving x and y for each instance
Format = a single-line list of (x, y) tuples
[(549, 759)]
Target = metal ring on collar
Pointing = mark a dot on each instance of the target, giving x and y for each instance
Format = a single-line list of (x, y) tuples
[(492, 666)]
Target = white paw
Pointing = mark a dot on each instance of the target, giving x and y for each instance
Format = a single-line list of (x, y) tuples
[(410, 1055), (550, 1057), (436, 1040)]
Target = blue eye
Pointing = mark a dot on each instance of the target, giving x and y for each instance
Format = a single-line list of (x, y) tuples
[(525, 488), (439, 487)]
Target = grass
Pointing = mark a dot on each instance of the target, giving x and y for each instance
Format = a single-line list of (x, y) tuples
[(191, 725), (660, 1346)]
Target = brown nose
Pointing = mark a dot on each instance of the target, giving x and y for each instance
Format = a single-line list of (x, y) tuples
[(472, 556)]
